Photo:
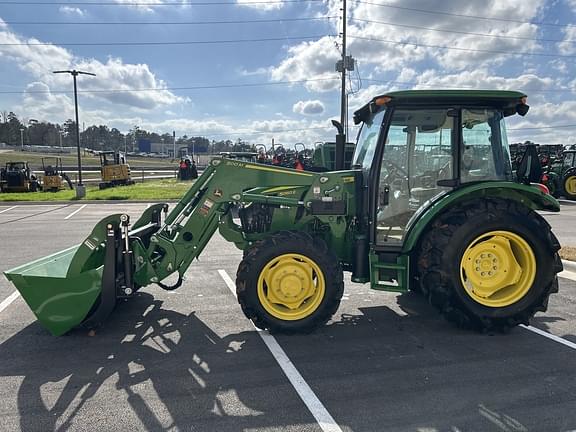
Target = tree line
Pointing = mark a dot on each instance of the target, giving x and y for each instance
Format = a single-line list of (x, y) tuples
[(15, 132)]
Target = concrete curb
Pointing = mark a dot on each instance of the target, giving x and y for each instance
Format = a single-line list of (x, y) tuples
[(567, 202), (569, 265)]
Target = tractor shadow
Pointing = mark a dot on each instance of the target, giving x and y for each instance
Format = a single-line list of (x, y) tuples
[(378, 368), (148, 368)]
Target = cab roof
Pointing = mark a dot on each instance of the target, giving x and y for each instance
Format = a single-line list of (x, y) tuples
[(503, 99)]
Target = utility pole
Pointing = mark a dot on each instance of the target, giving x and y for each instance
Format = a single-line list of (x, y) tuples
[(174, 144), (80, 190), (342, 65), (343, 111), (21, 139)]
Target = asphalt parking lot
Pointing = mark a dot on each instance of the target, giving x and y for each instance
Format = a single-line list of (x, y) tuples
[(188, 360)]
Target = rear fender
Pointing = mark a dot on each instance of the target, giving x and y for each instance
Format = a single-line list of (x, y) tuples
[(527, 195)]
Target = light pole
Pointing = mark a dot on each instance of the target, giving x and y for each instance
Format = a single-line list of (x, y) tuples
[(60, 135), (22, 139), (80, 190)]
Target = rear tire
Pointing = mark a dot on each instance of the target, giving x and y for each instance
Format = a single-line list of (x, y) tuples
[(289, 282), (521, 244)]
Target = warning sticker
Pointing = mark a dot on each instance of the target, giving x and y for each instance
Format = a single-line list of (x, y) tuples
[(206, 206)]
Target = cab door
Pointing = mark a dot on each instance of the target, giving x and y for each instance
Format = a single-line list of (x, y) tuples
[(418, 153)]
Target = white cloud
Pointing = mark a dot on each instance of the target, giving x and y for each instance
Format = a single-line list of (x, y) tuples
[(116, 75), (41, 104), (409, 46), (568, 46), (40, 60), (308, 108), (67, 10), (260, 5), (256, 72), (310, 61)]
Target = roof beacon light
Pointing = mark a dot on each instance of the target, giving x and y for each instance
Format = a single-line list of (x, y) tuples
[(383, 100)]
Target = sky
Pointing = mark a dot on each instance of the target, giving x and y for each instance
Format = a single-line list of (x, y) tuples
[(259, 70)]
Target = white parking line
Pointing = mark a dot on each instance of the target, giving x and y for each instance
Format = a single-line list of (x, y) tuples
[(8, 209), (74, 212), (320, 413), (550, 336), (7, 302)]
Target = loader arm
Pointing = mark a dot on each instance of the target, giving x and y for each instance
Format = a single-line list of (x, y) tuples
[(189, 227)]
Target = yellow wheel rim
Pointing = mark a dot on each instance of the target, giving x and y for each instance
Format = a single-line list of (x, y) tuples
[(291, 287), (498, 268), (570, 185)]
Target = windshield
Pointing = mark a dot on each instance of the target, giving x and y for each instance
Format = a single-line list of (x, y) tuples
[(367, 141)]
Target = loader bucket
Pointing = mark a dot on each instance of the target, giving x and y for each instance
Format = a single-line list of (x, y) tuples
[(78, 285), (59, 301)]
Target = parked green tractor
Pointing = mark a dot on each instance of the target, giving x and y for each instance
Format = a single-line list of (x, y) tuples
[(561, 175), (429, 204)]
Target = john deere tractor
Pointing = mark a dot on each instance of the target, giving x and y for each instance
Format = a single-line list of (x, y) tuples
[(561, 176), (429, 204)]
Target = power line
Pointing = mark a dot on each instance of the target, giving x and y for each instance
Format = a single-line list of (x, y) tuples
[(210, 42), (463, 15), (206, 87), (168, 22), (416, 44), (168, 3), (463, 32)]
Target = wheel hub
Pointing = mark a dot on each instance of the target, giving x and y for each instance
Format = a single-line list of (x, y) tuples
[(570, 185), (498, 268), (291, 286)]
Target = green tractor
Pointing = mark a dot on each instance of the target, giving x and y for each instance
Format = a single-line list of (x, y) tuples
[(560, 177), (429, 204)]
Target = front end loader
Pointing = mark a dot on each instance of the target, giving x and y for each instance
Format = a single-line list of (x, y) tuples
[(430, 205)]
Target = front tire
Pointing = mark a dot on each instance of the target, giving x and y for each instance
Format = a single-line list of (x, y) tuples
[(489, 264), (289, 282)]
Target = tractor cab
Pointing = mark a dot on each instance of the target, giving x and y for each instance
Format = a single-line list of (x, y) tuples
[(108, 158), (412, 153), (414, 148)]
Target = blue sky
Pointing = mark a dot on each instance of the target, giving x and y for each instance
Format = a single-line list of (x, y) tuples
[(527, 45)]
